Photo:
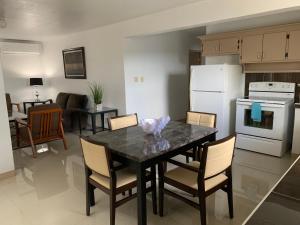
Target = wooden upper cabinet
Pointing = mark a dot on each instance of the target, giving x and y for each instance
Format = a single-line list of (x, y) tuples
[(210, 47), (229, 46), (274, 47), (252, 47), (294, 46)]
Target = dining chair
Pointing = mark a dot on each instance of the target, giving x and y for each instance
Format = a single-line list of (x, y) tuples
[(113, 180), (10, 104), (201, 119), (44, 124), (203, 178), (119, 122)]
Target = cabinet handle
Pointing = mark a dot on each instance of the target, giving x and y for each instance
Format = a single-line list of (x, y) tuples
[(258, 55)]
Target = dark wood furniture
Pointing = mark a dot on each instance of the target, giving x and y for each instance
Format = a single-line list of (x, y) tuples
[(101, 173), (202, 178), (93, 114), (134, 148), (10, 105), (32, 103), (201, 119), (120, 122), (44, 124)]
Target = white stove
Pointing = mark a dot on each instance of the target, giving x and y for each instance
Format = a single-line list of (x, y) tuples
[(273, 134)]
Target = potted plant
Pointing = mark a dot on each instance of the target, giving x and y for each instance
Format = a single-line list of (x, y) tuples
[(96, 94)]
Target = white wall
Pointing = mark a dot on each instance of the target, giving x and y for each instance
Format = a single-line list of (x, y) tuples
[(162, 61), (6, 155), (105, 45), (20, 61)]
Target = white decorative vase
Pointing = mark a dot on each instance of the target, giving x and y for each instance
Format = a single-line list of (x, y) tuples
[(99, 107)]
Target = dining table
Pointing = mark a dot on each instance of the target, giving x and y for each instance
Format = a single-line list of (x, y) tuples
[(139, 150)]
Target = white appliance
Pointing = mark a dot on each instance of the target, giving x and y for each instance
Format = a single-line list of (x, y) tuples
[(273, 135), (214, 89)]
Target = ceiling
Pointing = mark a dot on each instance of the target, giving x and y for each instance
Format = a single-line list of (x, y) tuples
[(22, 18)]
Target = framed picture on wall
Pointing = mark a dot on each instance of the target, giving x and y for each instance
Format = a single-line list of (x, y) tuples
[(74, 63)]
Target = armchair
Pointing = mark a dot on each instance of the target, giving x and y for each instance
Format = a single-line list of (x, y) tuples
[(44, 124)]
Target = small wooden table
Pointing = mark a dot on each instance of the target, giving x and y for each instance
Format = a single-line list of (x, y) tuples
[(34, 102), (93, 113), (133, 147)]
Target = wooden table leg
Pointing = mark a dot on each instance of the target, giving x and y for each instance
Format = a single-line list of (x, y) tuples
[(141, 195), (102, 121), (94, 123), (79, 123)]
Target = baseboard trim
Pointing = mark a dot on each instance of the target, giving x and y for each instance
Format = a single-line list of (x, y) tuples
[(7, 174)]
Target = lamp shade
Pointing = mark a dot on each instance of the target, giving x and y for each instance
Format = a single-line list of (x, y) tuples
[(35, 81)]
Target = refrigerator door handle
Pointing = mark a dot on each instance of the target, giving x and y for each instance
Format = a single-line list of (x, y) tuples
[(208, 91)]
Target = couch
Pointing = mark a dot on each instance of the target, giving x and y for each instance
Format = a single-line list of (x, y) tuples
[(69, 101)]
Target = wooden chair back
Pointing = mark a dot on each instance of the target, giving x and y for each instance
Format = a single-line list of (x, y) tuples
[(45, 122), (96, 157), (217, 157), (116, 123), (202, 119), (8, 103)]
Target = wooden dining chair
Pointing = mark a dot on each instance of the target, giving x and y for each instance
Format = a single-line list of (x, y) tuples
[(44, 124), (119, 122), (201, 119), (203, 178), (101, 173), (10, 104)]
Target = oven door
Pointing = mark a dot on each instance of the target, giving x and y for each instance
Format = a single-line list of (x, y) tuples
[(271, 125)]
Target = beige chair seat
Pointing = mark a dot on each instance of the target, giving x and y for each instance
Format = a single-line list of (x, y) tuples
[(123, 177), (189, 178)]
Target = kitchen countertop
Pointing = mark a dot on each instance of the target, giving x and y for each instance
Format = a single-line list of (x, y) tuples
[(282, 205), (297, 105)]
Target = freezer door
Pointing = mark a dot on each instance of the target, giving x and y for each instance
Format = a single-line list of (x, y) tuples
[(208, 78), (211, 102)]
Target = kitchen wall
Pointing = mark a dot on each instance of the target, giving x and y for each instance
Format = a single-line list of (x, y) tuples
[(156, 74), (6, 159), (105, 45), (20, 61)]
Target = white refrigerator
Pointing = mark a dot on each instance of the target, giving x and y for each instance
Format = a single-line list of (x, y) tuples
[(214, 89)]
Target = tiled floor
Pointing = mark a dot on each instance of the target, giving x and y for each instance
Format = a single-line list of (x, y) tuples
[(49, 190)]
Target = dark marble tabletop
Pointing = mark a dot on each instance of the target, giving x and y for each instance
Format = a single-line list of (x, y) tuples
[(282, 206), (136, 145)]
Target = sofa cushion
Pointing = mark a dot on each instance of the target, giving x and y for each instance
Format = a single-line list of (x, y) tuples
[(62, 99), (76, 101)]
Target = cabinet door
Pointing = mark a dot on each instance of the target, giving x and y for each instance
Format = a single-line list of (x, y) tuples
[(294, 46), (274, 47), (252, 49), (211, 48), (229, 46)]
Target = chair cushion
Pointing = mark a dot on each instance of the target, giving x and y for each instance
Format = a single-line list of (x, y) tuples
[(123, 177), (189, 178), (62, 99)]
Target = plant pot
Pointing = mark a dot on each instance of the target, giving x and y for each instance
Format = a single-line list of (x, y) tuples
[(99, 107)]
